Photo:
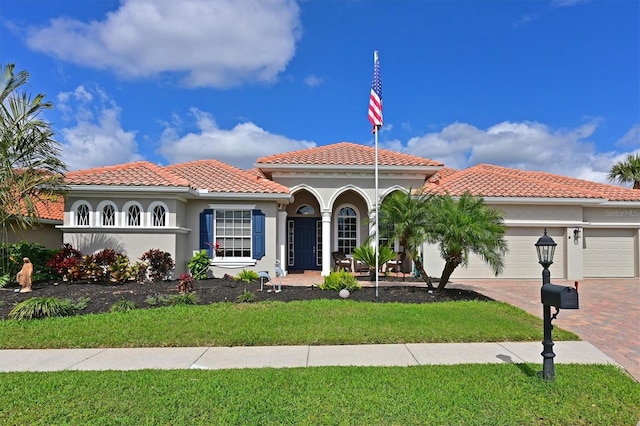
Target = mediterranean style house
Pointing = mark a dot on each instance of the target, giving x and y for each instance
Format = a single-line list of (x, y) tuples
[(299, 207)]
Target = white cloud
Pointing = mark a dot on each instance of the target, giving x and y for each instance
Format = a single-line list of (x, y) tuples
[(313, 80), (523, 145), (210, 43), (96, 137), (631, 138), (239, 146)]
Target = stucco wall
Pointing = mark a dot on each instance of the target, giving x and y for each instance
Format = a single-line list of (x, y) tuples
[(47, 235)]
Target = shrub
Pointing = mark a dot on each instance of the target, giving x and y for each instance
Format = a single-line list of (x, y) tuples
[(247, 276), (338, 280), (88, 269), (4, 280), (160, 264), (105, 258), (119, 270), (80, 303), (199, 265), (11, 256), (65, 260), (42, 307), (245, 297), (186, 283), (182, 299), (156, 299), (139, 271), (367, 254), (123, 306)]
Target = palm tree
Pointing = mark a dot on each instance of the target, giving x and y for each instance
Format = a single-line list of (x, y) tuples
[(464, 226), (627, 171), (30, 171), (404, 217)]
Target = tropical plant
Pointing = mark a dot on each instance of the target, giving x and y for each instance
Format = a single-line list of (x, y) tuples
[(245, 297), (12, 255), (119, 269), (139, 271), (247, 276), (338, 280), (182, 299), (123, 306), (42, 307), (404, 217), (160, 264), (466, 226), (627, 171), (30, 170), (185, 283), (199, 265), (65, 259), (367, 254)]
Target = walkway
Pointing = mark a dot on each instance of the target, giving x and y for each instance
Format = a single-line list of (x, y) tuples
[(293, 356)]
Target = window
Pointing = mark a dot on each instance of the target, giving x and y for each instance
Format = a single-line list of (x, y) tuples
[(133, 216), (82, 215), (108, 215), (347, 230), (305, 209), (236, 232), (159, 217)]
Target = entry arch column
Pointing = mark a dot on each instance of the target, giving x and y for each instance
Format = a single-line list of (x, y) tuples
[(326, 243)]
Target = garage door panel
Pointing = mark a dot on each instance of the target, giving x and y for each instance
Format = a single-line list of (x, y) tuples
[(608, 253), (522, 260)]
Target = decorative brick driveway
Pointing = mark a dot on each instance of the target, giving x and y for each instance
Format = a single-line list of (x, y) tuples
[(608, 318)]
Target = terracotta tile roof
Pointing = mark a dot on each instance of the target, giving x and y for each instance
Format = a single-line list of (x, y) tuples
[(494, 181), (216, 176), (140, 173), (346, 154), (51, 210)]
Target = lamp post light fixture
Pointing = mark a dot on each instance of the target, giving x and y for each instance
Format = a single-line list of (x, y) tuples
[(546, 248)]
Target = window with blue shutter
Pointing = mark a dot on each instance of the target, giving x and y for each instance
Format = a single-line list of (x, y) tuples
[(207, 241), (258, 233)]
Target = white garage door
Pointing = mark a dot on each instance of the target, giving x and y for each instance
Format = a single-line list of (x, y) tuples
[(608, 253), (522, 260)]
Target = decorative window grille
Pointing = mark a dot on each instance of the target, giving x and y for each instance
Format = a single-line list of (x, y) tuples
[(108, 215), (133, 216), (159, 217), (290, 243), (82, 215), (319, 243)]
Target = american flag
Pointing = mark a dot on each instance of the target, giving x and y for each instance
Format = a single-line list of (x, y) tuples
[(375, 99)]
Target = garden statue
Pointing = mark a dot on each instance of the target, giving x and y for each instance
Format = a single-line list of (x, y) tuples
[(25, 275)]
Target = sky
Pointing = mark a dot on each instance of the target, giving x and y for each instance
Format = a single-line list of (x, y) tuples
[(547, 85)]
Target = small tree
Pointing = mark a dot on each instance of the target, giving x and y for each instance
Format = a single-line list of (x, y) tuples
[(464, 226)]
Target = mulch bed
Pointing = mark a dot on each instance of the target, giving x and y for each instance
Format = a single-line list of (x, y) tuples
[(102, 296)]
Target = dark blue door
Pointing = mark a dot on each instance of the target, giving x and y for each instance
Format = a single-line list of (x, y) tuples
[(304, 243)]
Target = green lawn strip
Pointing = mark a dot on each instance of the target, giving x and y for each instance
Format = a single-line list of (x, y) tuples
[(327, 322), (504, 394)]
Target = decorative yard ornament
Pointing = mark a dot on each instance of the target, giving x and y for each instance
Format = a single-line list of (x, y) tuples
[(344, 293), (24, 277)]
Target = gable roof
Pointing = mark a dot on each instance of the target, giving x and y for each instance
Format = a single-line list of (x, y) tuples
[(139, 173), (216, 176), (487, 180), (346, 154)]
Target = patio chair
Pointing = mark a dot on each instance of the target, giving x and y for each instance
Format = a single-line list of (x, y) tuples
[(396, 265), (341, 261)]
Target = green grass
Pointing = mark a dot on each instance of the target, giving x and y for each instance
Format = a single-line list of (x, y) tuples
[(505, 394), (326, 322)]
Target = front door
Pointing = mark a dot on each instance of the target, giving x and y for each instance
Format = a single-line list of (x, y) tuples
[(305, 250)]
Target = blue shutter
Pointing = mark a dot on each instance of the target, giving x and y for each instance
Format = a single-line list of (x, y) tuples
[(257, 224), (206, 232)]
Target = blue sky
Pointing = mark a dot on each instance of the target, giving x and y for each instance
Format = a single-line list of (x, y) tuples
[(538, 85)]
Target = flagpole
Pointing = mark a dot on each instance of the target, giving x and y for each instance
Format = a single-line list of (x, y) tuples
[(377, 228)]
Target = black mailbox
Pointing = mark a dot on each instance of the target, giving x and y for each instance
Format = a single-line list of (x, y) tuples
[(559, 296)]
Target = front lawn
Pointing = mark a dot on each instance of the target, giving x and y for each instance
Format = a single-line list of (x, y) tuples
[(504, 394), (316, 322)]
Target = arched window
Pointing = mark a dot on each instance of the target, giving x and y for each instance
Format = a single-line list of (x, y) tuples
[(305, 209), (133, 215), (347, 223), (159, 216), (82, 215), (108, 215)]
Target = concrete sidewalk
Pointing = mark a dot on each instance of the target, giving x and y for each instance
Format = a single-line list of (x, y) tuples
[(214, 358)]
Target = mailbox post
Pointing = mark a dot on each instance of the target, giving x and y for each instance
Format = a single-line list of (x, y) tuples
[(551, 295), (546, 248)]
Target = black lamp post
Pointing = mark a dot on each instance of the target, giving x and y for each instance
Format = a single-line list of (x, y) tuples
[(546, 248)]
